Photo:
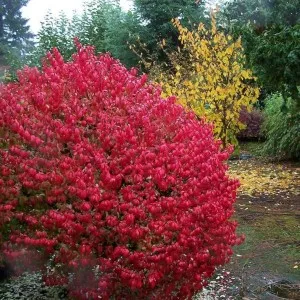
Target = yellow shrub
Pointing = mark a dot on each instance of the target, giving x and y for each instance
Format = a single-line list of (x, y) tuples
[(209, 77)]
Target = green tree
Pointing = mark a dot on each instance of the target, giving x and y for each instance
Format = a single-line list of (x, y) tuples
[(123, 29), (276, 60), (93, 22), (156, 16), (14, 31), (261, 14), (270, 33), (106, 26), (57, 32), (103, 24)]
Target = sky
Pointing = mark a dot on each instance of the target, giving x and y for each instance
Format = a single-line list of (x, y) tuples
[(36, 10)]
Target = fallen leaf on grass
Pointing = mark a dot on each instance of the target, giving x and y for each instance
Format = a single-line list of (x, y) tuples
[(267, 178)]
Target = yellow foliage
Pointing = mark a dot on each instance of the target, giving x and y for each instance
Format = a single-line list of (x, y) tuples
[(210, 78)]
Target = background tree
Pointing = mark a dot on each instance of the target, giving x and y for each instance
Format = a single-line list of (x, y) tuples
[(123, 29), (57, 32), (14, 31), (270, 33), (261, 14), (156, 18), (106, 26), (103, 24)]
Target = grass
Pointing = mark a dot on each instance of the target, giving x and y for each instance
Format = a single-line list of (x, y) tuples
[(253, 147), (272, 242)]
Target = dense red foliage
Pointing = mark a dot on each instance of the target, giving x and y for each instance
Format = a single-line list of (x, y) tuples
[(111, 183), (253, 121)]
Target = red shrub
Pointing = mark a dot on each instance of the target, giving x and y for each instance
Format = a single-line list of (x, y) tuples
[(253, 121), (111, 183)]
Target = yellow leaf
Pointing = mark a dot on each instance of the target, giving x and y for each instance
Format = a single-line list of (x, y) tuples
[(212, 69)]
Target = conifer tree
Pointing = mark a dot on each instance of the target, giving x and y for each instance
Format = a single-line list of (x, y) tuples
[(14, 31)]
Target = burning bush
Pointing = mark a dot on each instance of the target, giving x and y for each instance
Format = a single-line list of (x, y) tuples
[(111, 183)]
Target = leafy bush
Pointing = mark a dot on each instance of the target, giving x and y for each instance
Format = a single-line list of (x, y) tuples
[(282, 128), (253, 121), (123, 193), (209, 77)]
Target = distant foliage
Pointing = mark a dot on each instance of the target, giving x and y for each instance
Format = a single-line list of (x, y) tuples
[(270, 33), (122, 192), (253, 121), (103, 24), (276, 60), (15, 36), (156, 17), (58, 32), (281, 128)]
